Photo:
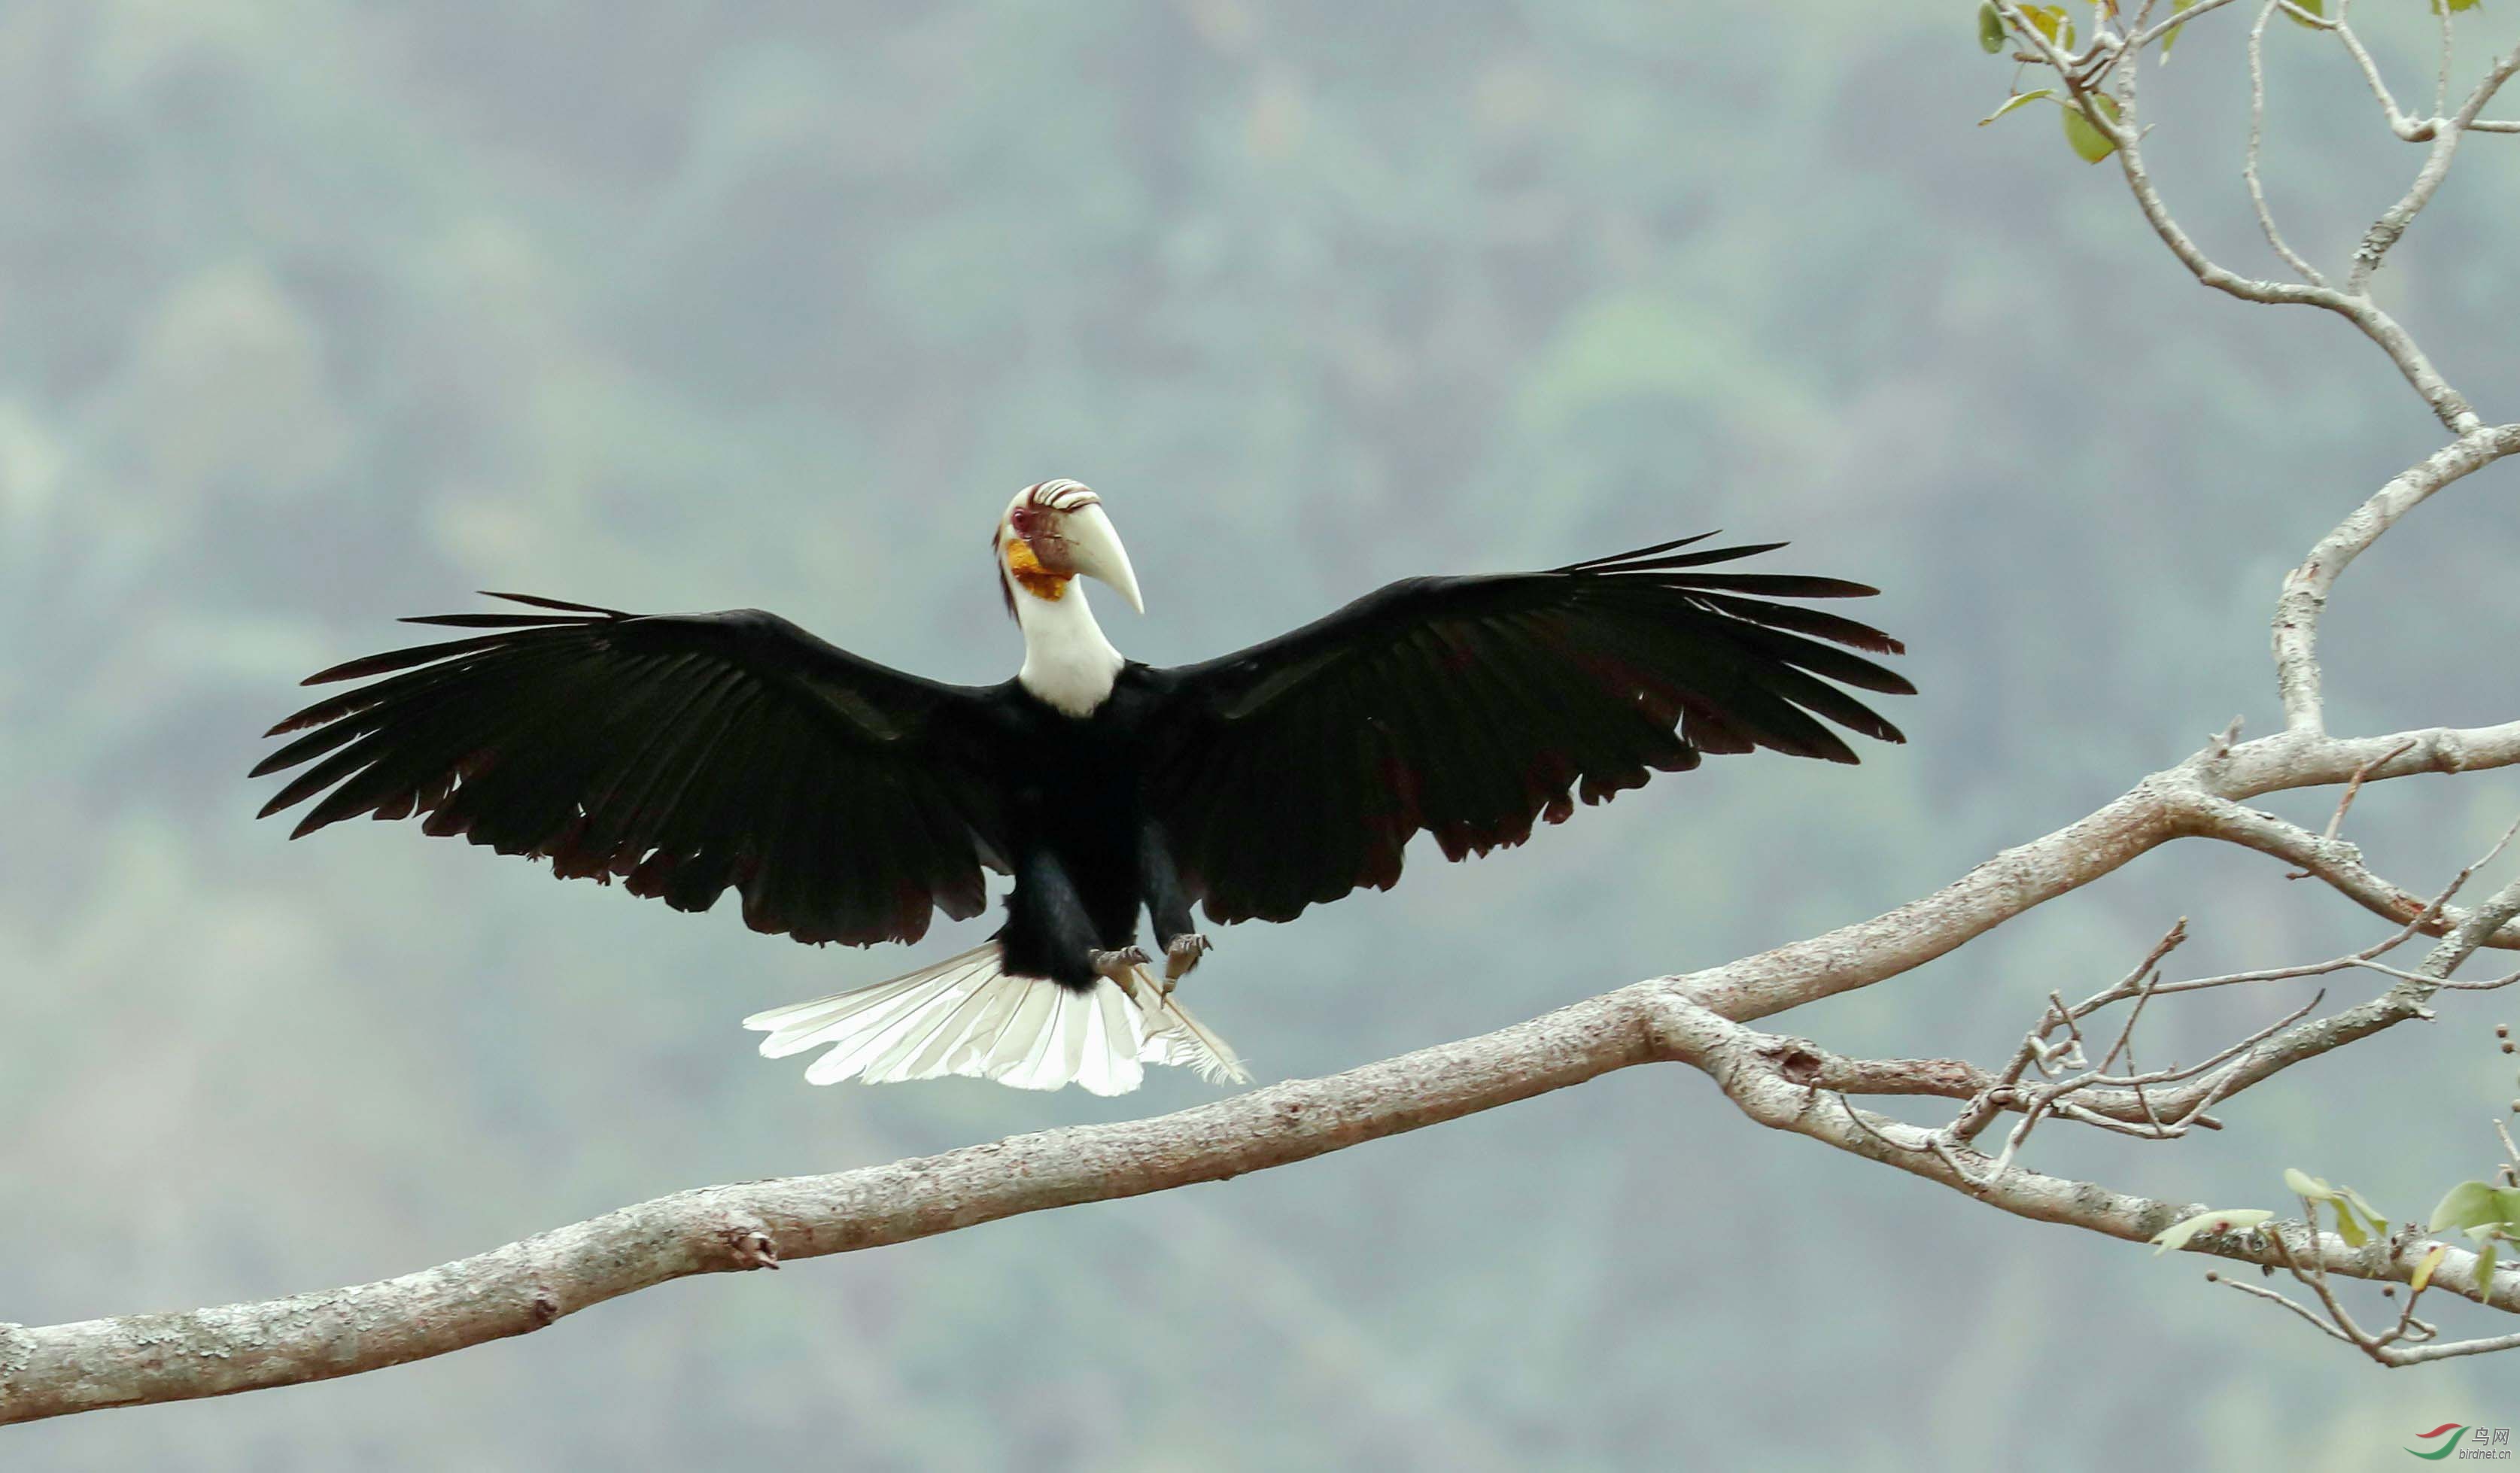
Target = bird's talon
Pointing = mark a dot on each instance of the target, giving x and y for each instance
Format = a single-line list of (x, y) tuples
[(1180, 955), (1115, 966)]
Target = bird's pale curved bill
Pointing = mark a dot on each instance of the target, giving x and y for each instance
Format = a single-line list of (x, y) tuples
[(1094, 550)]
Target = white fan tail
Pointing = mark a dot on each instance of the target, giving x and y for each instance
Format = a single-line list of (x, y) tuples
[(966, 1015), (1173, 1036)]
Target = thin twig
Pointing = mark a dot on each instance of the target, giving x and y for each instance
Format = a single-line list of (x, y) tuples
[(2393, 222), (2399, 122), (2257, 140), (2353, 787)]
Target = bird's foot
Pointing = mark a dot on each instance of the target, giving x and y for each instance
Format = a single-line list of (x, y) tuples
[(1181, 955), (1116, 964)]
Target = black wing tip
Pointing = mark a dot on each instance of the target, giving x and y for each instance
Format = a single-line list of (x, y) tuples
[(1836, 749), (1607, 561), (314, 822), (570, 611), (283, 801), (383, 662), (1684, 572), (501, 620), (1643, 560), (1878, 678), (1878, 729), (538, 601)]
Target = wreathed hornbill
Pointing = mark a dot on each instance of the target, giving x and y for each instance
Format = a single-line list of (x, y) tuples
[(687, 754)]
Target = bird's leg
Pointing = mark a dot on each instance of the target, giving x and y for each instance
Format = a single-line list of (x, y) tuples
[(1181, 957), (1049, 933), (1117, 964), (1168, 906)]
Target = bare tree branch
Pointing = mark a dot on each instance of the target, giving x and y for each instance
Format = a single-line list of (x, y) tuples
[(1697, 1019), (2333, 1320), (2334, 860), (2394, 220), (528, 1285), (2257, 142), (2124, 130)]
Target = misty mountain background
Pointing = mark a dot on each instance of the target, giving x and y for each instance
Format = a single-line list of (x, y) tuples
[(314, 314)]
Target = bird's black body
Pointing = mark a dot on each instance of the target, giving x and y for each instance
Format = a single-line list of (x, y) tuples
[(1088, 854), (685, 755)]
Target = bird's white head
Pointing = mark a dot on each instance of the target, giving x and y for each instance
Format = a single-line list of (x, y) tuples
[(1054, 533)]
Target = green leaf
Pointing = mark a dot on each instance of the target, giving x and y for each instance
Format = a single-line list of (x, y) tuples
[(2345, 1200), (2015, 101), (2318, 8), (2485, 1270), (2090, 143), (1990, 28), (2379, 1224), (2464, 1205), (2426, 1265), (2478, 1204), (2052, 22), (2170, 37), (2456, 6), (2230, 1220)]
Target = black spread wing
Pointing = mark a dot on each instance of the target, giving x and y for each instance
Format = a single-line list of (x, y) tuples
[(1296, 771), (680, 754)]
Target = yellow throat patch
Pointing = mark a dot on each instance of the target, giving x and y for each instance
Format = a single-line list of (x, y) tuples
[(1027, 569)]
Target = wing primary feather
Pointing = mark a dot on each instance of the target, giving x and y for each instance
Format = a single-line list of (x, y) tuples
[(1633, 553), (1815, 622), (1646, 566), (1821, 659), (681, 814), (1470, 707), (780, 760), (1785, 585), (494, 620), (513, 795), (403, 659), (549, 648), (1493, 713), (311, 745), (316, 778), (678, 734), (537, 601), (1554, 758), (1465, 785)]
